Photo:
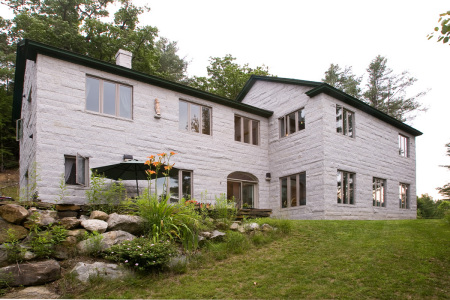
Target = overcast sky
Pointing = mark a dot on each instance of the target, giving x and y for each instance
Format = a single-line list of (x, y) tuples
[(300, 39)]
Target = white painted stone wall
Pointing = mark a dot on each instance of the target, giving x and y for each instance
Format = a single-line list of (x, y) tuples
[(64, 127), (320, 151)]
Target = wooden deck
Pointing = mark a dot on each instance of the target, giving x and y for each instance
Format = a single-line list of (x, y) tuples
[(253, 213)]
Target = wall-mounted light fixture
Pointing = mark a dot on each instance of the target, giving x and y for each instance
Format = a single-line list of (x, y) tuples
[(127, 157), (268, 176)]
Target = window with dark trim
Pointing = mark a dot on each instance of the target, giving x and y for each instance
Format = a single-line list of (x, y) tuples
[(293, 190), (108, 97), (178, 184), (345, 121), (403, 194), (403, 142), (76, 170), (246, 130), (194, 117), (378, 192), (345, 187), (292, 122)]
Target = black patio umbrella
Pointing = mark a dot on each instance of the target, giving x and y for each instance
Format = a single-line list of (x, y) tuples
[(128, 170)]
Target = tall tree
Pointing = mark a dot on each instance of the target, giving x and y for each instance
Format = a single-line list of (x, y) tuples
[(444, 30), (344, 80), (226, 78), (384, 90), (445, 190)]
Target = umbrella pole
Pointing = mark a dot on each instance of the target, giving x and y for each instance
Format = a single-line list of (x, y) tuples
[(137, 183)]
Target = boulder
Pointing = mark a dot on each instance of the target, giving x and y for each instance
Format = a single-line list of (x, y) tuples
[(67, 207), (217, 235), (205, 234), (31, 273), (70, 222), (251, 226), (65, 214), (83, 271), (18, 231), (131, 224), (94, 225), (108, 239), (266, 227), (32, 292), (40, 218), (13, 213), (99, 215), (3, 256), (77, 233), (84, 217)]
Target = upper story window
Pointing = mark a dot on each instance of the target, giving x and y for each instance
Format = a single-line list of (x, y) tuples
[(403, 191), (345, 187), (291, 123), (246, 130), (108, 97), (378, 192), (195, 118), (293, 190), (403, 145), (345, 121)]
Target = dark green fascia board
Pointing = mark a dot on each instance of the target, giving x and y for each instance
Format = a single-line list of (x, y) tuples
[(252, 80), (335, 93), (28, 49)]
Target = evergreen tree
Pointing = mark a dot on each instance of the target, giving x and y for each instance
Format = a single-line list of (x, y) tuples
[(345, 80), (445, 190)]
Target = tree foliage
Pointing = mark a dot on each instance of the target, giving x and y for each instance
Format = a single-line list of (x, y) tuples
[(226, 78), (444, 30), (445, 190), (384, 90), (427, 208)]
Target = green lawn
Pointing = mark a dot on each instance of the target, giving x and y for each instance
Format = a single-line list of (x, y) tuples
[(408, 259)]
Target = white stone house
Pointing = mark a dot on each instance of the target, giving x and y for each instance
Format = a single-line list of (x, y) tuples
[(303, 149)]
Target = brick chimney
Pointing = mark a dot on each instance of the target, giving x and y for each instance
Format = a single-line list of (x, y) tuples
[(123, 58)]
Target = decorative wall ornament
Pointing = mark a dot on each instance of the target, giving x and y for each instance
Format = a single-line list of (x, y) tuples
[(157, 109)]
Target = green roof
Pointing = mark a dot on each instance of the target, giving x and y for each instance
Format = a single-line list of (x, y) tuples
[(320, 87), (28, 49)]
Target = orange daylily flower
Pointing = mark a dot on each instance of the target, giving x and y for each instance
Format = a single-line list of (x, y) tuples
[(172, 153), (167, 167), (151, 157), (156, 163), (150, 172), (162, 154)]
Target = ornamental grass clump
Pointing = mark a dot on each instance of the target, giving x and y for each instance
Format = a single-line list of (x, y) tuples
[(142, 254)]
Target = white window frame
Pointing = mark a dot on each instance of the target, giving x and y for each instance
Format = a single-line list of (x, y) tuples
[(346, 194), (284, 124), (403, 191), (116, 100), (379, 192), (241, 130), (299, 200), (343, 124), (81, 169), (189, 128), (403, 145)]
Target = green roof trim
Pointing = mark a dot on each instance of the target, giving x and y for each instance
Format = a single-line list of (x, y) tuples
[(338, 94), (28, 49), (320, 87)]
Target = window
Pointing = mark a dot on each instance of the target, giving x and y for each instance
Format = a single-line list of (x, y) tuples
[(246, 130), (345, 120), (378, 192), (194, 118), (76, 170), (293, 190), (345, 187), (242, 189), (178, 183), (403, 195), (403, 145), (292, 123), (108, 97)]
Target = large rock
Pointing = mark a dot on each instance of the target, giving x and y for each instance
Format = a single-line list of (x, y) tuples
[(40, 218), (67, 207), (108, 239), (70, 222), (3, 256), (83, 271), (251, 226), (18, 231), (217, 235), (99, 215), (94, 225), (13, 213), (131, 224), (32, 292), (31, 273), (77, 233)]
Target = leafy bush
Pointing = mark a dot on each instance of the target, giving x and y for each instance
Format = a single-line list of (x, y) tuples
[(93, 243), (104, 195), (142, 254), (43, 242), (14, 251), (224, 209)]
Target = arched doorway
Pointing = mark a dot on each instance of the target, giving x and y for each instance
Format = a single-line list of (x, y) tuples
[(242, 187)]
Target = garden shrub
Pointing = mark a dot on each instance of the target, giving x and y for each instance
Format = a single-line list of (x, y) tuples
[(93, 243), (103, 195), (14, 251), (142, 254)]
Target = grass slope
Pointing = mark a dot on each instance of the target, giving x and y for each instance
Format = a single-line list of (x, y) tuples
[(320, 259)]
